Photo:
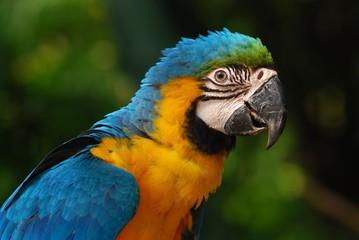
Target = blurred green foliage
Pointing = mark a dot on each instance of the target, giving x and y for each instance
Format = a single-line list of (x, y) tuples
[(59, 74), (64, 64)]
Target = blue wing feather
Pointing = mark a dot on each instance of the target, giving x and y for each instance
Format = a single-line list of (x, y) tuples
[(73, 195), (79, 198), (197, 217)]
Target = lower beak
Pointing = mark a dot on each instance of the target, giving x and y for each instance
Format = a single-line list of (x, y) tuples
[(265, 109)]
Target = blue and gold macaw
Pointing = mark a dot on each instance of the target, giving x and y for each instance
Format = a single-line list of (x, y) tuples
[(145, 171)]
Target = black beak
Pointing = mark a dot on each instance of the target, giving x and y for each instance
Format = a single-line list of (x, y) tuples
[(265, 109)]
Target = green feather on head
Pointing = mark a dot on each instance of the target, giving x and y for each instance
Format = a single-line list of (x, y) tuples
[(196, 57)]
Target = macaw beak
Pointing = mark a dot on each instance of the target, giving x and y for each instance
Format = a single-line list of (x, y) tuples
[(265, 110)]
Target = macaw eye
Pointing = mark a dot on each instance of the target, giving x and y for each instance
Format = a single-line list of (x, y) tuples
[(220, 76)]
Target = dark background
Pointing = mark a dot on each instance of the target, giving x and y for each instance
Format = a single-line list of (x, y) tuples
[(64, 64)]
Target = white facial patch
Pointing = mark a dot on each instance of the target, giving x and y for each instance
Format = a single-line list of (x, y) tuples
[(215, 113), (227, 89), (260, 76)]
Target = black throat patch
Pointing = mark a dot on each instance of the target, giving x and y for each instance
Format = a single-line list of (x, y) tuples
[(207, 140)]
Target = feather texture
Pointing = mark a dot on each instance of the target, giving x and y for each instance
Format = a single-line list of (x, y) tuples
[(80, 198), (156, 147)]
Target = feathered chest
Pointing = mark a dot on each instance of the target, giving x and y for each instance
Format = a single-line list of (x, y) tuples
[(170, 184), (172, 173)]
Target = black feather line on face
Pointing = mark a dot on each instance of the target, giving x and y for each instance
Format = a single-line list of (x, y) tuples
[(235, 95), (206, 139), (206, 89), (239, 74)]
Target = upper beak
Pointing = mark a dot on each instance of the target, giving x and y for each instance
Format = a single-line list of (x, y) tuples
[(265, 109)]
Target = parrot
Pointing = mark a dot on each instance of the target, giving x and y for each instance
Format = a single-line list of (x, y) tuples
[(146, 170)]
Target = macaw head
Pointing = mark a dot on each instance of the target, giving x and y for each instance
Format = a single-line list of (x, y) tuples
[(233, 89)]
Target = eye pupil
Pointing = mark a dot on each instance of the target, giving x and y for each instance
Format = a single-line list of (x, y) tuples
[(221, 75)]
